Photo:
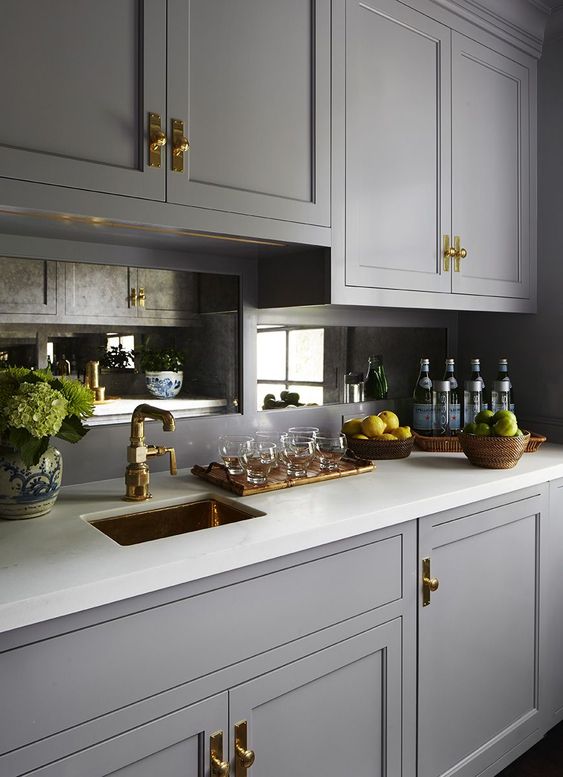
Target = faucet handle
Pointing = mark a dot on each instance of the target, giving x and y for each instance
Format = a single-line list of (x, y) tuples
[(173, 467), (160, 450)]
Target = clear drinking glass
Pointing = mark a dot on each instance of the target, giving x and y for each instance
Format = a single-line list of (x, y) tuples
[(309, 431), (271, 437), (330, 450), (230, 448), (258, 459), (297, 453)]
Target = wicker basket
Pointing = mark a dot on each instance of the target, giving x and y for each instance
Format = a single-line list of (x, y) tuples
[(381, 449), (534, 442), (494, 452), (449, 444)]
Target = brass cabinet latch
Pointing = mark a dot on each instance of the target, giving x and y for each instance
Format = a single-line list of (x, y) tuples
[(180, 144), (455, 252), (429, 584), (217, 767), (157, 140), (244, 758)]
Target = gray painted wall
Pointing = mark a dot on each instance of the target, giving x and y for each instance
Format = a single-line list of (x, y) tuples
[(532, 342)]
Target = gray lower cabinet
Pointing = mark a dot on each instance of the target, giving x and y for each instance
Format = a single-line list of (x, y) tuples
[(552, 685), (433, 140), (176, 745), (479, 646), (316, 653), (335, 713)]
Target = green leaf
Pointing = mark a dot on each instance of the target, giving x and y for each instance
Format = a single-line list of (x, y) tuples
[(71, 429), (30, 448)]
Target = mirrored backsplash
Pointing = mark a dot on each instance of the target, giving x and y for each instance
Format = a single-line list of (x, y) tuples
[(312, 361), (129, 322)]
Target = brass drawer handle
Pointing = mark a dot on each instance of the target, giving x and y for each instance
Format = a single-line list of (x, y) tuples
[(217, 767)]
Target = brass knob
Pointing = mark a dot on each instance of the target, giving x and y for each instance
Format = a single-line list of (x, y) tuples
[(463, 253), (245, 757), (181, 145), (432, 582), (452, 252), (158, 140), (219, 768)]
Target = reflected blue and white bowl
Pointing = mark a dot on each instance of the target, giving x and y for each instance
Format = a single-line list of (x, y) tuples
[(164, 385)]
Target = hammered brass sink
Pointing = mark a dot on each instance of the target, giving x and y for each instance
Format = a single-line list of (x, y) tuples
[(134, 528)]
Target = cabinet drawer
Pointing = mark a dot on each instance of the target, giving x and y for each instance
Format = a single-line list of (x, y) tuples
[(69, 679)]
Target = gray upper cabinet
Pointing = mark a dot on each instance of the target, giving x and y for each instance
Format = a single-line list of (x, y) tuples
[(77, 79), (491, 170), (433, 139), (250, 79), (397, 146)]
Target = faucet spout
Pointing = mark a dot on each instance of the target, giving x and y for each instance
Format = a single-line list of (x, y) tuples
[(137, 474)]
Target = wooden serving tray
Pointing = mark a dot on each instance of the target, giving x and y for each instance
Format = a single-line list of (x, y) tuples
[(217, 474)]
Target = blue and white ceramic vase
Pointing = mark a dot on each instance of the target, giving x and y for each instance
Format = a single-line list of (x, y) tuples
[(29, 491), (165, 384)]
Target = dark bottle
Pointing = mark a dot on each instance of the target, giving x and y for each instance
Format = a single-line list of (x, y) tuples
[(455, 404), (503, 375), (422, 396), (375, 384), (476, 375)]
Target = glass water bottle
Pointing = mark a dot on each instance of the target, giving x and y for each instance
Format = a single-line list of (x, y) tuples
[(472, 400), (440, 408), (503, 375), (422, 404), (455, 404)]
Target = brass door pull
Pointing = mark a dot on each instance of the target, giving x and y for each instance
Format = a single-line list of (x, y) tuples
[(459, 253), (180, 144), (157, 139), (429, 584), (244, 758), (133, 297), (141, 297), (218, 767)]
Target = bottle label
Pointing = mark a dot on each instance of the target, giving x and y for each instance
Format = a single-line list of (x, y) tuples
[(425, 382), (512, 406), (441, 413), (455, 417), (422, 417), (471, 406)]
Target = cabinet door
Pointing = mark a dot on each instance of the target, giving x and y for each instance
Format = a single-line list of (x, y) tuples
[(28, 286), (478, 639), (552, 683), (337, 712), (176, 745), (168, 294), (491, 170), (397, 147), (251, 81), (77, 81), (98, 291)]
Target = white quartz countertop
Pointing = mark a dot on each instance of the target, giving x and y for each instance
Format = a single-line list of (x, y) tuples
[(58, 564)]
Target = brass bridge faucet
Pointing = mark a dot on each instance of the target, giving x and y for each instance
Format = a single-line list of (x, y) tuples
[(137, 474)]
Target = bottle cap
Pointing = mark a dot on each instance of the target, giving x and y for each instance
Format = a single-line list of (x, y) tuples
[(473, 385), (442, 385)]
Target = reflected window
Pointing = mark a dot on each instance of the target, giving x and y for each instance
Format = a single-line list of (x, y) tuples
[(290, 359)]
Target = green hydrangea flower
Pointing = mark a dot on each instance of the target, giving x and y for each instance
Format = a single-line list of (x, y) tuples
[(35, 407)]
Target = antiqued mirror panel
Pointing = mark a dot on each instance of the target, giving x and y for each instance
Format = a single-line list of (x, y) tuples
[(169, 337)]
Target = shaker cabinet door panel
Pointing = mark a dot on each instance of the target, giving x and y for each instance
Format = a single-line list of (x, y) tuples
[(552, 685), (491, 170), (397, 146), (335, 713), (176, 745), (250, 79), (77, 81), (478, 638)]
